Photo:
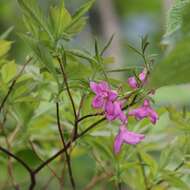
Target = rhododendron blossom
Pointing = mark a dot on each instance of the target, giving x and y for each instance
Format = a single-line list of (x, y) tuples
[(132, 81), (144, 111), (125, 136)]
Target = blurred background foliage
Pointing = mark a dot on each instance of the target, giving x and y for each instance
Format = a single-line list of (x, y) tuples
[(167, 144)]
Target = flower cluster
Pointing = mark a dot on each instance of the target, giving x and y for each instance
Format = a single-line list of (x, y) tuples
[(107, 100)]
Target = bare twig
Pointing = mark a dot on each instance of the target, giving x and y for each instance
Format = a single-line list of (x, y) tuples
[(64, 145)]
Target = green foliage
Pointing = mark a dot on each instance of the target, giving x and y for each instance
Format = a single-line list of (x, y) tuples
[(6, 33), (4, 47), (167, 96), (176, 64), (60, 18), (32, 10), (8, 71), (29, 116), (175, 16), (174, 69)]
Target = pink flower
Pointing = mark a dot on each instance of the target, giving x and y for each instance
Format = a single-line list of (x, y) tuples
[(125, 136), (132, 81), (103, 94), (113, 110), (144, 111)]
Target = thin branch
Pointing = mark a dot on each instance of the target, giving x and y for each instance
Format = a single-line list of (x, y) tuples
[(13, 84), (90, 115), (52, 171), (66, 83), (10, 166), (80, 106), (40, 167), (101, 113), (64, 145), (23, 163)]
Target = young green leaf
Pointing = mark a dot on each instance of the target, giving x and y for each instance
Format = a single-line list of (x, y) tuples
[(60, 18), (8, 71), (4, 47)]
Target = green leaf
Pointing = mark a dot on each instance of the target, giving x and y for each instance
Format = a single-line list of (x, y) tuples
[(82, 54), (47, 59), (80, 12), (6, 33), (149, 160), (32, 10), (174, 69), (174, 18), (4, 47), (29, 157), (76, 27), (8, 71), (165, 157), (185, 20), (42, 53), (175, 181), (61, 18), (103, 148)]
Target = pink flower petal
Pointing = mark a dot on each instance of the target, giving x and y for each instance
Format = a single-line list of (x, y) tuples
[(126, 136), (132, 82), (118, 142), (153, 116), (97, 102), (144, 111), (95, 87), (104, 86), (112, 95), (109, 111), (146, 103), (142, 75), (123, 118), (133, 138)]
